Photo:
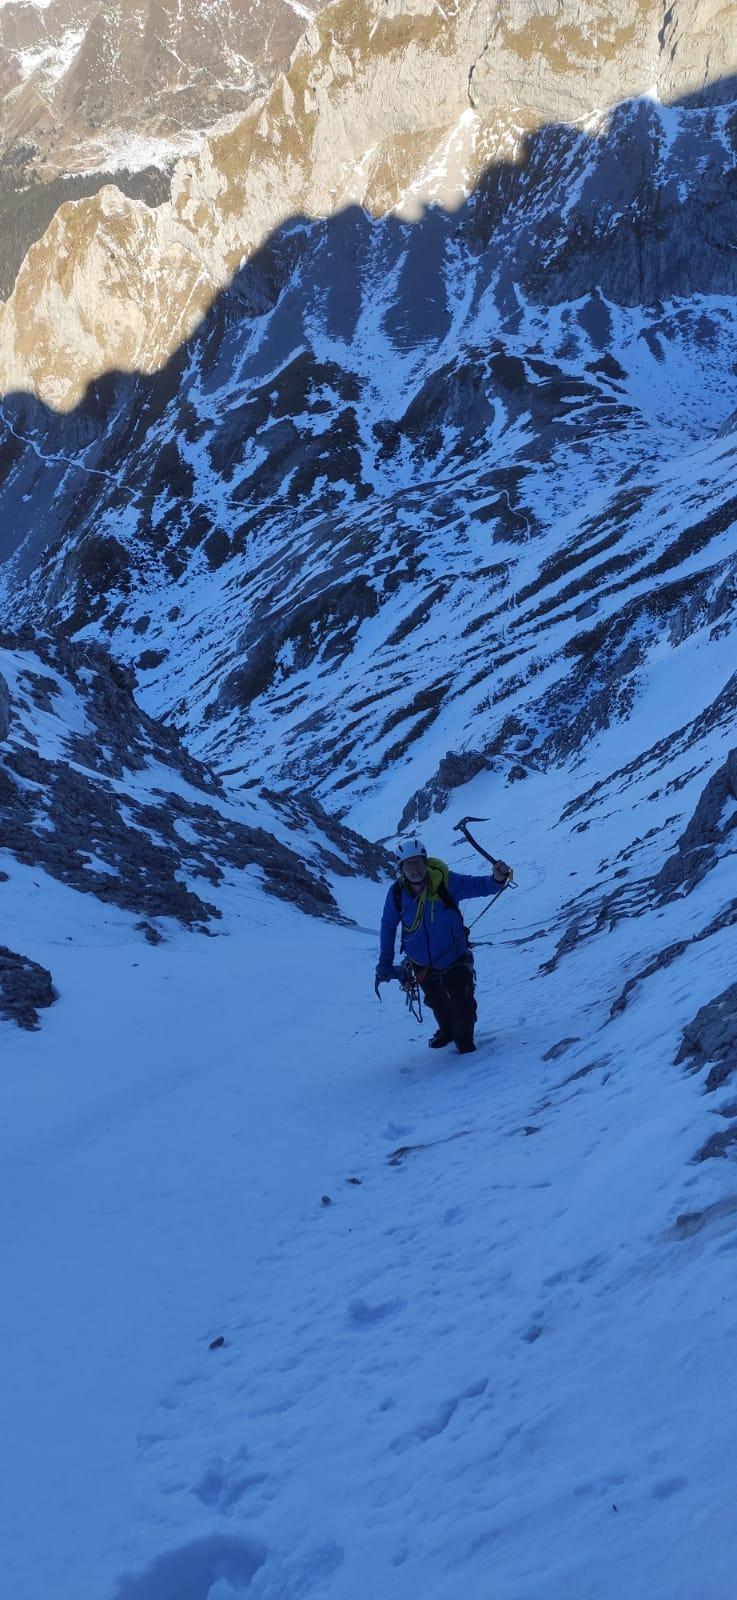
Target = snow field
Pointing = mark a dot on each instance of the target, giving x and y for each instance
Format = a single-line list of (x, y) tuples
[(494, 1366)]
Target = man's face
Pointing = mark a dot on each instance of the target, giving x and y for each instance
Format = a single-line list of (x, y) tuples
[(414, 871)]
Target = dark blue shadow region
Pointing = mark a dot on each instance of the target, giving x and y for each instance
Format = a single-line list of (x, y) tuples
[(190, 1572)]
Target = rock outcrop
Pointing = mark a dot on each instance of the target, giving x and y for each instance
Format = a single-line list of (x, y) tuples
[(25, 988), (108, 801), (711, 833), (4, 709), (711, 1039), (705, 846), (94, 92)]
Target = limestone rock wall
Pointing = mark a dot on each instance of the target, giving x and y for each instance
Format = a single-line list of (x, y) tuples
[(385, 105)]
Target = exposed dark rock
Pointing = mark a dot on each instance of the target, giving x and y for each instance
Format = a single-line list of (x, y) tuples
[(710, 836), (712, 826), (24, 988), (692, 1222), (358, 855), (712, 1037), (149, 659), (720, 715), (4, 708), (717, 1145), (455, 769), (599, 1065), (42, 689), (629, 236), (82, 819), (727, 918), (560, 1048), (322, 625)]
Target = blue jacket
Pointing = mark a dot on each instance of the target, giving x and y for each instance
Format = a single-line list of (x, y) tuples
[(440, 937)]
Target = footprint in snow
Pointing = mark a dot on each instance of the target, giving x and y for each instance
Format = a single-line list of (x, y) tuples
[(362, 1315), (224, 1483), (433, 1426), (668, 1487)]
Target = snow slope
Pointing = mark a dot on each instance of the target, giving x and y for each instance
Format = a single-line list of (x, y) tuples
[(499, 1363)]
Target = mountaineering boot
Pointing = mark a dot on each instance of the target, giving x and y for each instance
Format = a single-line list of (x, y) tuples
[(466, 1047), (440, 1039)]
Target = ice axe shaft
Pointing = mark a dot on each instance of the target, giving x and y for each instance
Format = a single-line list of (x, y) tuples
[(462, 827)]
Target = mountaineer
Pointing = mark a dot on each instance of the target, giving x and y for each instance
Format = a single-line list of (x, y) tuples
[(424, 900)]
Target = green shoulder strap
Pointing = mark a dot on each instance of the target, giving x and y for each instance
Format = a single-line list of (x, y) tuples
[(438, 885)]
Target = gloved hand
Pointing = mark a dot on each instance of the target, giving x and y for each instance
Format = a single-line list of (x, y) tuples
[(385, 972), (502, 873)]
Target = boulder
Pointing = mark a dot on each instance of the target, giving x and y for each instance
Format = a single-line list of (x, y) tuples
[(24, 987)]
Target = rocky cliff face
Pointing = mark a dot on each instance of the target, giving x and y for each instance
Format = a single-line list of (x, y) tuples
[(79, 79), (94, 92), (390, 106)]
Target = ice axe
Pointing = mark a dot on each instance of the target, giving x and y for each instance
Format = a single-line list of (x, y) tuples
[(396, 972), (462, 827)]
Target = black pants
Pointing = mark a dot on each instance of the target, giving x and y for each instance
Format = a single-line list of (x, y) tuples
[(452, 999)]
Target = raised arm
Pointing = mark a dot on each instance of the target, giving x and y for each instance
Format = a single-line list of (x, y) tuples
[(465, 887)]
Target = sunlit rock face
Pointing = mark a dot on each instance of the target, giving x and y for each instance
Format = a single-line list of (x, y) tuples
[(93, 91), (387, 106), (80, 78)]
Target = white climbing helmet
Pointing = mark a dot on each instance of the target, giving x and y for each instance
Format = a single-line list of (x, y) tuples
[(409, 848)]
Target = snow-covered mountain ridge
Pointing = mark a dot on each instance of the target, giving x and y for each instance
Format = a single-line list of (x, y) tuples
[(383, 105), (325, 483)]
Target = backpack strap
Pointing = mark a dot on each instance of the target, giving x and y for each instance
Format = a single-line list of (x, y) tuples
[(443, 894)]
